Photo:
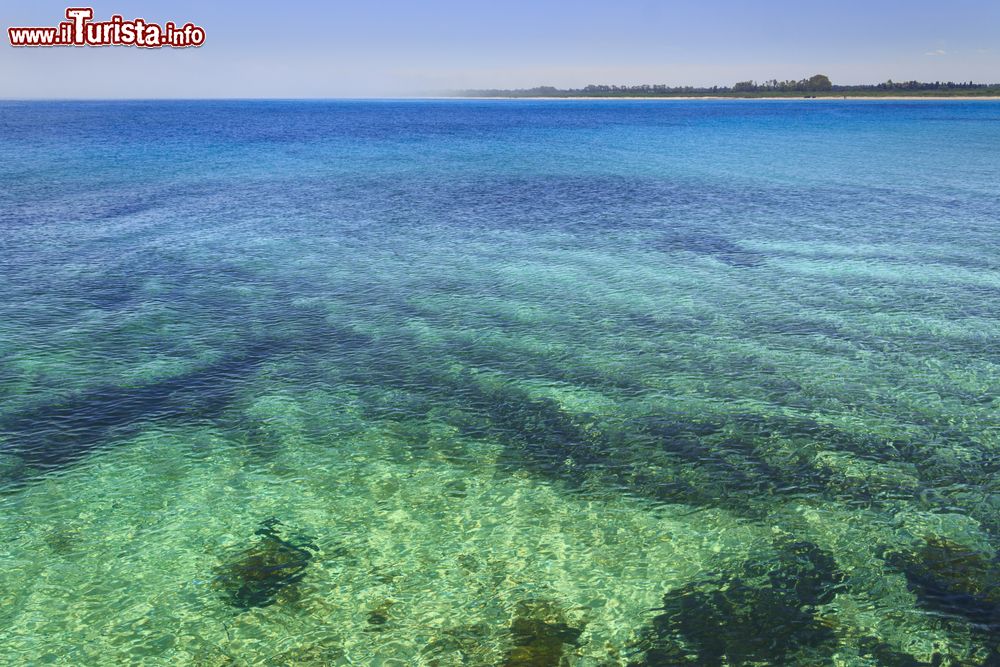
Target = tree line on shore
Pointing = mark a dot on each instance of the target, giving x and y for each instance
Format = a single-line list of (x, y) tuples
[(818, 83)]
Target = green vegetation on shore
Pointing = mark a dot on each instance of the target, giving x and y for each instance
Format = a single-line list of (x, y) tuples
[(815, 86)]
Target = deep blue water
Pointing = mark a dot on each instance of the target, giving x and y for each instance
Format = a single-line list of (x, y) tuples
[(500, 382)]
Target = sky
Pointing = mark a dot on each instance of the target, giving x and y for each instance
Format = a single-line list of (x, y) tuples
[(379, 48)]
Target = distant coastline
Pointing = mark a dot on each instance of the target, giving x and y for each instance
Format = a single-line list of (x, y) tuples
[(900, 98), (818, 86)]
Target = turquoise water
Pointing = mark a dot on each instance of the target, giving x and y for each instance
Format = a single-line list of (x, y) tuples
[(500, 383)]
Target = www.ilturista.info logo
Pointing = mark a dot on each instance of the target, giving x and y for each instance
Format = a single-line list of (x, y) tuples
[(80, 30)]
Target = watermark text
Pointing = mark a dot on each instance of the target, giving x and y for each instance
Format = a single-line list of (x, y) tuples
[(79, 29)]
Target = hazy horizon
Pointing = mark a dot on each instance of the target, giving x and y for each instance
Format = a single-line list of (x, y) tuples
[(307, 49)]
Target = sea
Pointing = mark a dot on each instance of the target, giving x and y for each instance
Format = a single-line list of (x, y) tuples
[(513, 383)]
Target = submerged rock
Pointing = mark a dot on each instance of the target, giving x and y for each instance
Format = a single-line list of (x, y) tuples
[(540, 634), (762, 614), (256, 575)]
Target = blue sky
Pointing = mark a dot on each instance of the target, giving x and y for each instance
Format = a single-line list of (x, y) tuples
[(300, 48)]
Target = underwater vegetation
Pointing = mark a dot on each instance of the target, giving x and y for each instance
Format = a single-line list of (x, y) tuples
[(736, 461), (763, 613), (708, 244), (957, 581), (886, 656), (44, 436), (379, 616), (57, 433), (256, 575), (540, 635)]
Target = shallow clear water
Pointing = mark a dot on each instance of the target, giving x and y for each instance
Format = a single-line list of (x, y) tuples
[(500, 383)]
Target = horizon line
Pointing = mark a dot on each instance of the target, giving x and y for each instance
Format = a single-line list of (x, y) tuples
[(459, 97)]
